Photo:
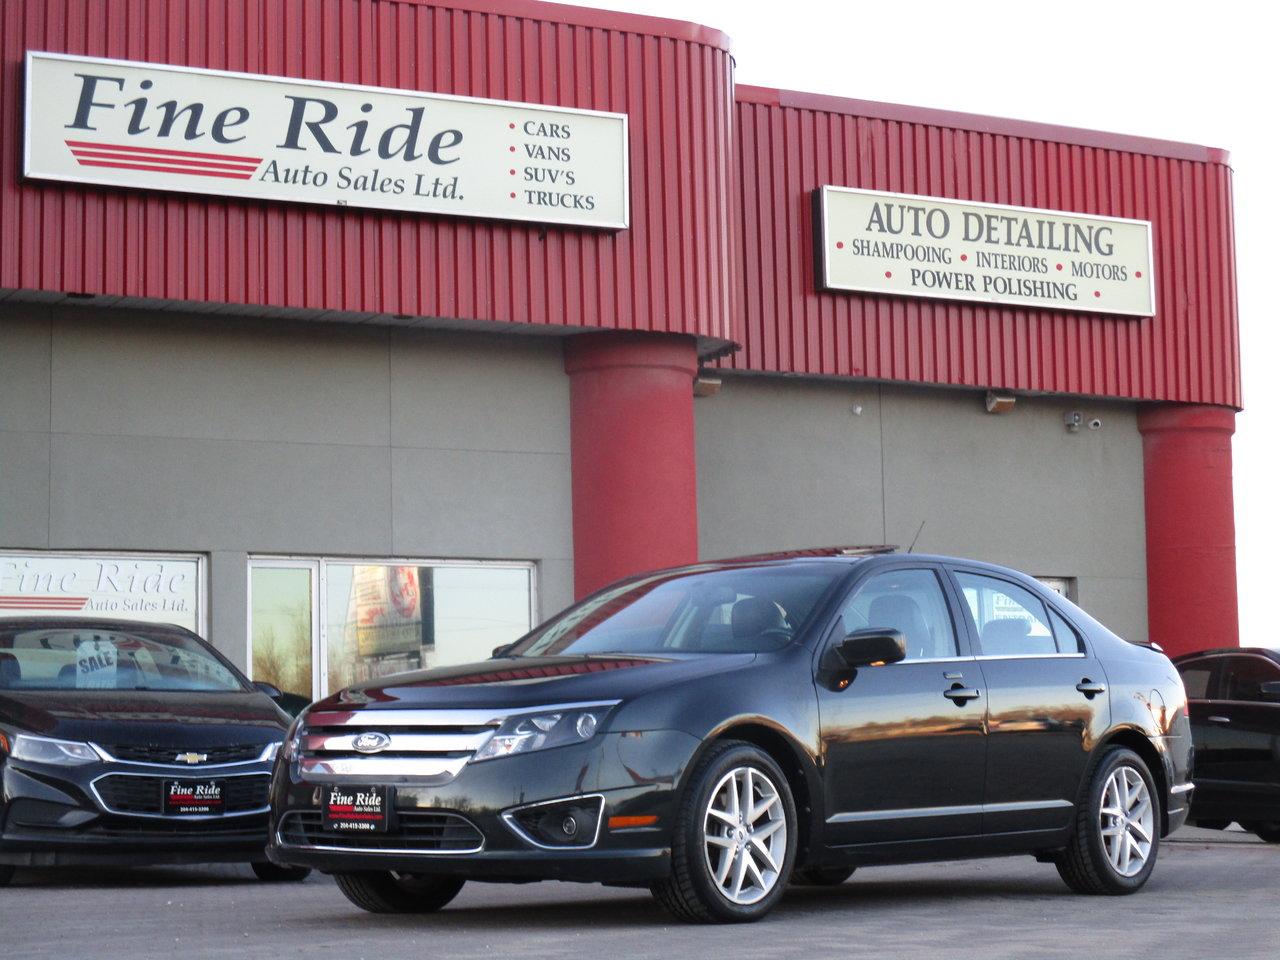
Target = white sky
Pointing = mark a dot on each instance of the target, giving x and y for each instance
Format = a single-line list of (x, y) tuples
[(1174, 70)]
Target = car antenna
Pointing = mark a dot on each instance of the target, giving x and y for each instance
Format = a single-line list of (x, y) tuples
[(916, 537)]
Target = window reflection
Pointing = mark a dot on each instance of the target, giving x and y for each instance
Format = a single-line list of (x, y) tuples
[(281, 628), (385, 618)]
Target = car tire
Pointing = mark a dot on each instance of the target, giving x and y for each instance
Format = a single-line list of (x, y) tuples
[(758, 848), (274, 873), (1268, 831), (381, 891), (6, 874), (821, 876), (1099, 857)]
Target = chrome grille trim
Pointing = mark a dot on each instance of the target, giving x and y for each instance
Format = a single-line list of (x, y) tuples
[(400, 742), (425, 769)]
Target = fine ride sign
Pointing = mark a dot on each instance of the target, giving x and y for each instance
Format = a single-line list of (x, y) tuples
[(158, 127), (914, 246)]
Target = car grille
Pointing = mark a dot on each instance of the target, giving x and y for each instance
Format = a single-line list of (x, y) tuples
[(428, 831), (421, 746), (235, 753), (145, 795)]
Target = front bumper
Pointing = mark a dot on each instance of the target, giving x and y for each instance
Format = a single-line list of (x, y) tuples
[(52, 815), (636, 774)]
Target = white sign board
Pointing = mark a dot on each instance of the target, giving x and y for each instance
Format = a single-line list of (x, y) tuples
[(914, 246), (156, 127), (154, 589)]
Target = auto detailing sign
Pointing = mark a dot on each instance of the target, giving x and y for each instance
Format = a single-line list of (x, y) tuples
[(913, 246), (151, 126), (116, 587)]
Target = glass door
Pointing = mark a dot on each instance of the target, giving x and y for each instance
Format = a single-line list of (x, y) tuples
[(283, 614)]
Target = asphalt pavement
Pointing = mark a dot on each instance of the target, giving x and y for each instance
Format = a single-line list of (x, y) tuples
[(1212, 895)]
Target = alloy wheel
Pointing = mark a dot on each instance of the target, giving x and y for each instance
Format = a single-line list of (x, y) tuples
[(1126, 821), (745, 835)]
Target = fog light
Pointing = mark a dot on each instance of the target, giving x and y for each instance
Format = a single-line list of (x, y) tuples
[(554, 824)]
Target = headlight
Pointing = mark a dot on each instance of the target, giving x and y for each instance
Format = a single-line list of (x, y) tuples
[(45, 750), (292, 745), (527, 732)]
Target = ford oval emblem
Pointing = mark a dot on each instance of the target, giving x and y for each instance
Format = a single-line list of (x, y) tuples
[(371, 742)]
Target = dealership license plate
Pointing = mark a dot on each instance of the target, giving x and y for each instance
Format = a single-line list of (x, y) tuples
[(356, 809), (185, 797)]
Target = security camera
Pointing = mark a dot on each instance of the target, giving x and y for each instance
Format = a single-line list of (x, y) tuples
[(1095, 424), (1072, 420)]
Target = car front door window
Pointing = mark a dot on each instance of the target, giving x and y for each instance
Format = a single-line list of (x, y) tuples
[(911, 602)]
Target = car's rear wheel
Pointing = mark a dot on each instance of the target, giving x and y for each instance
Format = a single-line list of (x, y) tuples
[(387, 892), (734, 842), (274, 873), (1265, 830), (822, 876), (1116, 834), (6, 874)]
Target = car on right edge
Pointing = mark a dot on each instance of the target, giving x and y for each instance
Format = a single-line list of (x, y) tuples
[(1234, 696)]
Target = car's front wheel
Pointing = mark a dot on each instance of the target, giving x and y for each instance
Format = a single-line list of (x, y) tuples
[(274, 873), (6, 874), (386, 892), (1268, 831), (734, 842), (1116, 834)]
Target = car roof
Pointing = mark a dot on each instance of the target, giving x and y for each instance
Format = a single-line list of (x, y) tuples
[(1267, 652), (845, 556), (84, 623)]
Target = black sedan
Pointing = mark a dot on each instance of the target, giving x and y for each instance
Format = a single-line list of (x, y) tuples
[(1235, 723), (130, 743), (717, 731)]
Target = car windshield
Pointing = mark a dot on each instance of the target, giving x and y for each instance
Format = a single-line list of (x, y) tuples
[(99, 657), (734, 610)]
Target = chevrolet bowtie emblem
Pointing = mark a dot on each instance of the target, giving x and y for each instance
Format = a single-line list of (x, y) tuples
[(192, 757)]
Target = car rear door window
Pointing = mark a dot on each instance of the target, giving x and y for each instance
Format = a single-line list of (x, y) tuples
[(1243, 677), (910, 601), (1011, 621)]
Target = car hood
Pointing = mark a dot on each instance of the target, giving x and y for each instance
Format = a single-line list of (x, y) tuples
[(162, 718), (517, 682)]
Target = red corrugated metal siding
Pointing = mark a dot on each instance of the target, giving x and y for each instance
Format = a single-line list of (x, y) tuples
[(672, 271), (1188, 352)]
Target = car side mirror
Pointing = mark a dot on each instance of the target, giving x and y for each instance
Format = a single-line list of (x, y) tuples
[(1270, 690), (270, 690), (874, 645), (501, 650)]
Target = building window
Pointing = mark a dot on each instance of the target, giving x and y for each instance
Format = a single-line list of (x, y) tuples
[(154, 587), (319, 624)]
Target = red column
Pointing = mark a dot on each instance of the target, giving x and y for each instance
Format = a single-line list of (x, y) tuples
[(1191, 532), (635, 499)]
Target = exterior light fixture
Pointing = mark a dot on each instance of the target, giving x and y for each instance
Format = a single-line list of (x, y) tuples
[(1000, 402), (704, 386)]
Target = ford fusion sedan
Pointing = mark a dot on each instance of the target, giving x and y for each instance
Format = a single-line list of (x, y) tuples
[(130, 743), (717, 731), (1235, 722)]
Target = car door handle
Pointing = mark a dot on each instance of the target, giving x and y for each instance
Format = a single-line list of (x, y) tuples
[(1091, 688), (960, 695), (1218, 719)]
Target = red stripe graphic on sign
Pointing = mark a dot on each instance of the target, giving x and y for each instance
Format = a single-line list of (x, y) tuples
[(161, 160), (138, 158), (128, 148), (42, 603)]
